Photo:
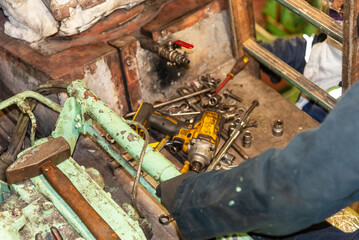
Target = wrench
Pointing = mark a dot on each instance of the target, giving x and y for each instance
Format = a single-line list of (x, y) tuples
[(233, 137)]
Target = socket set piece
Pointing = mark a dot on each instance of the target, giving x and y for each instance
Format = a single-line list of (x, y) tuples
[(278, 128), (247, 139)]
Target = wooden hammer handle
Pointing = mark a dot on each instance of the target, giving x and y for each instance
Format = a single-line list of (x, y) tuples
[(64, 187)]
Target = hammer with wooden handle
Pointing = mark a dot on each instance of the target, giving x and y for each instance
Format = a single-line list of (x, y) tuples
[(43, 159)]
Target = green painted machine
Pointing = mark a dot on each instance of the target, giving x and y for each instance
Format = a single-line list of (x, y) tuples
[(35, 208)]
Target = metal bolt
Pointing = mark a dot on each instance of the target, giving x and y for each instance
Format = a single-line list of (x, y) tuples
[(78, 125), (77, 118), (16, 212), (278, 128), (163, 32), (128, 62), (227, 93), (47, 208), (247, 139)]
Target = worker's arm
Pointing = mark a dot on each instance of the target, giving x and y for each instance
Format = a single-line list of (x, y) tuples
[(280, 191)]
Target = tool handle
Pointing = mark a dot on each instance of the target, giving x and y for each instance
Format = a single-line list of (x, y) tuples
[(68, 192), (150, 118)]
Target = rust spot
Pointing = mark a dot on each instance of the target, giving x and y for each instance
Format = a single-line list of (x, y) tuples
[(117, 134), (123, 132), (100, 111), (131, 137), (241, 85), (88, 94)]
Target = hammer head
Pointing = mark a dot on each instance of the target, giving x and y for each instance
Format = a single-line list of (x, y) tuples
[(29, 164)]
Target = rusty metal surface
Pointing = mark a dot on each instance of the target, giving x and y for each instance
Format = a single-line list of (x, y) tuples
[(64, 187), (28, 165), (179, 14), (127, 50)]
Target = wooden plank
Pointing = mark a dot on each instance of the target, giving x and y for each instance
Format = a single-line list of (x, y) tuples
[(241, 22), (350, 71), (315, 17), (290, 74)]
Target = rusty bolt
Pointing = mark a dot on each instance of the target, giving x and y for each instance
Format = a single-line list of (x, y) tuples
[(128, 62), (16, 212), (47, 208)]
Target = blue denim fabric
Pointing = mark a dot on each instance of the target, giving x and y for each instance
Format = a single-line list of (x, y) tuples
[(315, 111), (328, 233), (279, 192)]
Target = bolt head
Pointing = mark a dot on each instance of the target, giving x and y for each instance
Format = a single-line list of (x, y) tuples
[(47, 208)]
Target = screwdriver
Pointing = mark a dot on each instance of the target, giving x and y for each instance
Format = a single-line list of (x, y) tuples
[(240, 64)]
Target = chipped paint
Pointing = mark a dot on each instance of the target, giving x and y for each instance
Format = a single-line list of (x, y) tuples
[(131, 137)]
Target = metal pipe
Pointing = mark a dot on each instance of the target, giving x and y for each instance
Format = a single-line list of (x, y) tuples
[(30, 94), (174, 100), (110, 150), (154, 163)]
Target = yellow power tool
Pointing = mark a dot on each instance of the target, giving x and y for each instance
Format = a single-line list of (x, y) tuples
[(199, 139)]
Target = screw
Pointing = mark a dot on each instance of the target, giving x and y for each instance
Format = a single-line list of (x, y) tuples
[(227, 93), (252, 124)]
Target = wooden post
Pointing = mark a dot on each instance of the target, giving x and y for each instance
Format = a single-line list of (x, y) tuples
[(241, 22), (350, 68)]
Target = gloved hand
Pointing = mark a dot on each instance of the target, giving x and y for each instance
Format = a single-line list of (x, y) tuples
[(167, 190)]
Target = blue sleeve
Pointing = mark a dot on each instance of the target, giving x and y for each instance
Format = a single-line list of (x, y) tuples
[(281, 191), (290, 50)]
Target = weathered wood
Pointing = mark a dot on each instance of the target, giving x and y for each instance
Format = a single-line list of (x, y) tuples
[(241, 21), (350, 69), (290, 74), (315, 17)]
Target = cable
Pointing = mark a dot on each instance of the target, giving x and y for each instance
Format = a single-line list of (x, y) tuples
[(139, 168), (17, 139)]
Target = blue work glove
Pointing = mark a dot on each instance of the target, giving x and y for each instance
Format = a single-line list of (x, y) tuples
[(167, 190)]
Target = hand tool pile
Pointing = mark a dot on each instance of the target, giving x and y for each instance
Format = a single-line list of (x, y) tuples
[(195, 121)]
